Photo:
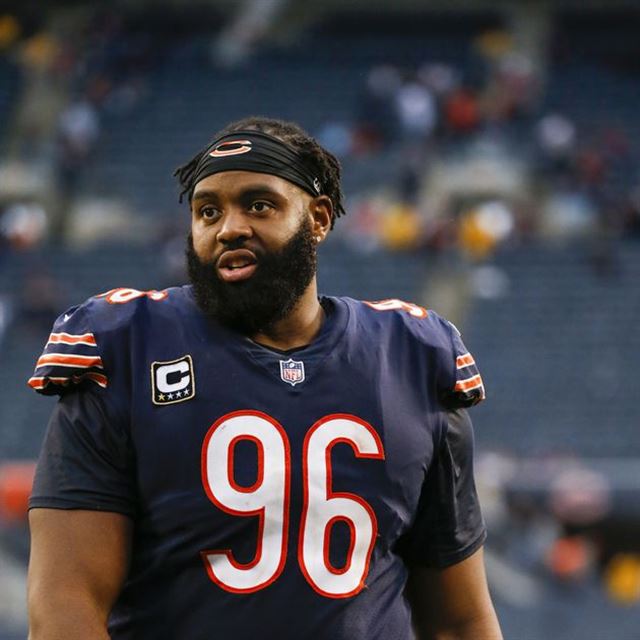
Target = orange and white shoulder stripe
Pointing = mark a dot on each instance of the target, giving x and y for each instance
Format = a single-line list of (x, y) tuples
[(87, 339), (465, 360), (40, 382), (69, 360), (470, 384)]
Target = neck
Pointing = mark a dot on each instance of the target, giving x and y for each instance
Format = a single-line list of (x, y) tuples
[(299, 328)]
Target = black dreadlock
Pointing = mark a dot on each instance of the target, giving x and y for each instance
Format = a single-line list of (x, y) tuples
[(324, 163)]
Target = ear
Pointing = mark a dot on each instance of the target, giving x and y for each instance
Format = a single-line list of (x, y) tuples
[(321, 211)]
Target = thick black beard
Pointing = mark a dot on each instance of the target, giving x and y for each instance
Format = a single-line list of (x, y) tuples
[(269, 295)]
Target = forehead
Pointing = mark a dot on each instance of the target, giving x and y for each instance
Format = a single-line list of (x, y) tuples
[(230, 183)]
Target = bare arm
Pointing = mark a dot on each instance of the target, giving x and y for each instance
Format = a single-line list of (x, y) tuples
[(453, 603), (79, 561)]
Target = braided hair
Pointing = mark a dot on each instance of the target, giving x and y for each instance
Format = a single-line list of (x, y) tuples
[(325, 164)]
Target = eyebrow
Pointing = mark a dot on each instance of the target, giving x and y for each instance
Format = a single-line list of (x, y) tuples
[(253, 191)]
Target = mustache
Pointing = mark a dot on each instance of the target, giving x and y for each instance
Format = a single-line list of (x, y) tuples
[(231, 245), (234, 245), (240, 243)]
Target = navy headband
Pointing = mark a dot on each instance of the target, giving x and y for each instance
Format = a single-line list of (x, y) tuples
[(247, 150)]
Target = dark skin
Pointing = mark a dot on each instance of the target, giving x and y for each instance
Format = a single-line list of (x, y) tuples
[(265, 211), (79, 562), (80, 559), (453, 603)]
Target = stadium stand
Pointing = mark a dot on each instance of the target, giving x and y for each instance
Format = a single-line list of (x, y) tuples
[(552, 352), (9, 87), (305, 84), (557, 346)]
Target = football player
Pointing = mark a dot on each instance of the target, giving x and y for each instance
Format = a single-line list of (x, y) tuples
[(241, 457)]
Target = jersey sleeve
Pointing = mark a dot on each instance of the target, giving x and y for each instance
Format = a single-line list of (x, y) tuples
[(71, 356), (465, 387), (449, 526), (86, 460)]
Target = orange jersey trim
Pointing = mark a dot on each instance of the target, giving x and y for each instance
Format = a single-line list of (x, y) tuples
[(66, 360), (98, 378), (468, 384), (67, 338), (40, 382), (464, 361), (394, 304)]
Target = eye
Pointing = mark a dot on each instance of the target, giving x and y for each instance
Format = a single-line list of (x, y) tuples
[(260, 206), (209, 212)]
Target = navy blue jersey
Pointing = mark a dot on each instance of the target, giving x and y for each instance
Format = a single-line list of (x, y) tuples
[(279, 493)]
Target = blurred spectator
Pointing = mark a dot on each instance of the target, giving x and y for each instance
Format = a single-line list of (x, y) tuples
[(336, 137), (484, 227), (494, 44), (78, 132), (23, 225), (40, 303), (401, 228), (40, 51), (125, 97), (462, 112), (361, 225), (570, 558), (16, 479), (556, 138), (9, 31), (440, 78), (377, 122), (517, 86), (580, 496), (591, 166), (568, 213), (489, 282), (417, 113), (410, 179), (622, 578), (251, 26)]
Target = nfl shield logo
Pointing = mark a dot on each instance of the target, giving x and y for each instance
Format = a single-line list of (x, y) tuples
[(292, 371)]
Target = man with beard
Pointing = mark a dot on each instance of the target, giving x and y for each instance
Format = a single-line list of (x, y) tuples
[(241, 457)]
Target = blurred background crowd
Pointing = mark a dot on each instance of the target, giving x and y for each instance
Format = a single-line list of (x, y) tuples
[(490, 153)]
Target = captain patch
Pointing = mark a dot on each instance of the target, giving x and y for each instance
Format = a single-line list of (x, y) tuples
[(172, 381)]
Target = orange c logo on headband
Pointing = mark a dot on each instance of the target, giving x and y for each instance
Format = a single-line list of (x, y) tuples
[(231, 148)]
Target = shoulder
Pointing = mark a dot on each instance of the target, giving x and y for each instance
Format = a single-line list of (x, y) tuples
[(411, 329), (86, 336), (118, 308), (405, 319)]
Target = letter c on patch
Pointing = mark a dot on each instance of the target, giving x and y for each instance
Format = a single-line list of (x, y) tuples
[(163, 372)]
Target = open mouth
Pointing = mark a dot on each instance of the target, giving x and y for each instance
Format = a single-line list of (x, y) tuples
[(237, 265)]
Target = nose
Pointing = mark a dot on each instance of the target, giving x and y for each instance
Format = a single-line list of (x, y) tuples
[(234, 226)]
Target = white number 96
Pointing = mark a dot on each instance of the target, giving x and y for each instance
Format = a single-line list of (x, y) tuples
[(268, 499)]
